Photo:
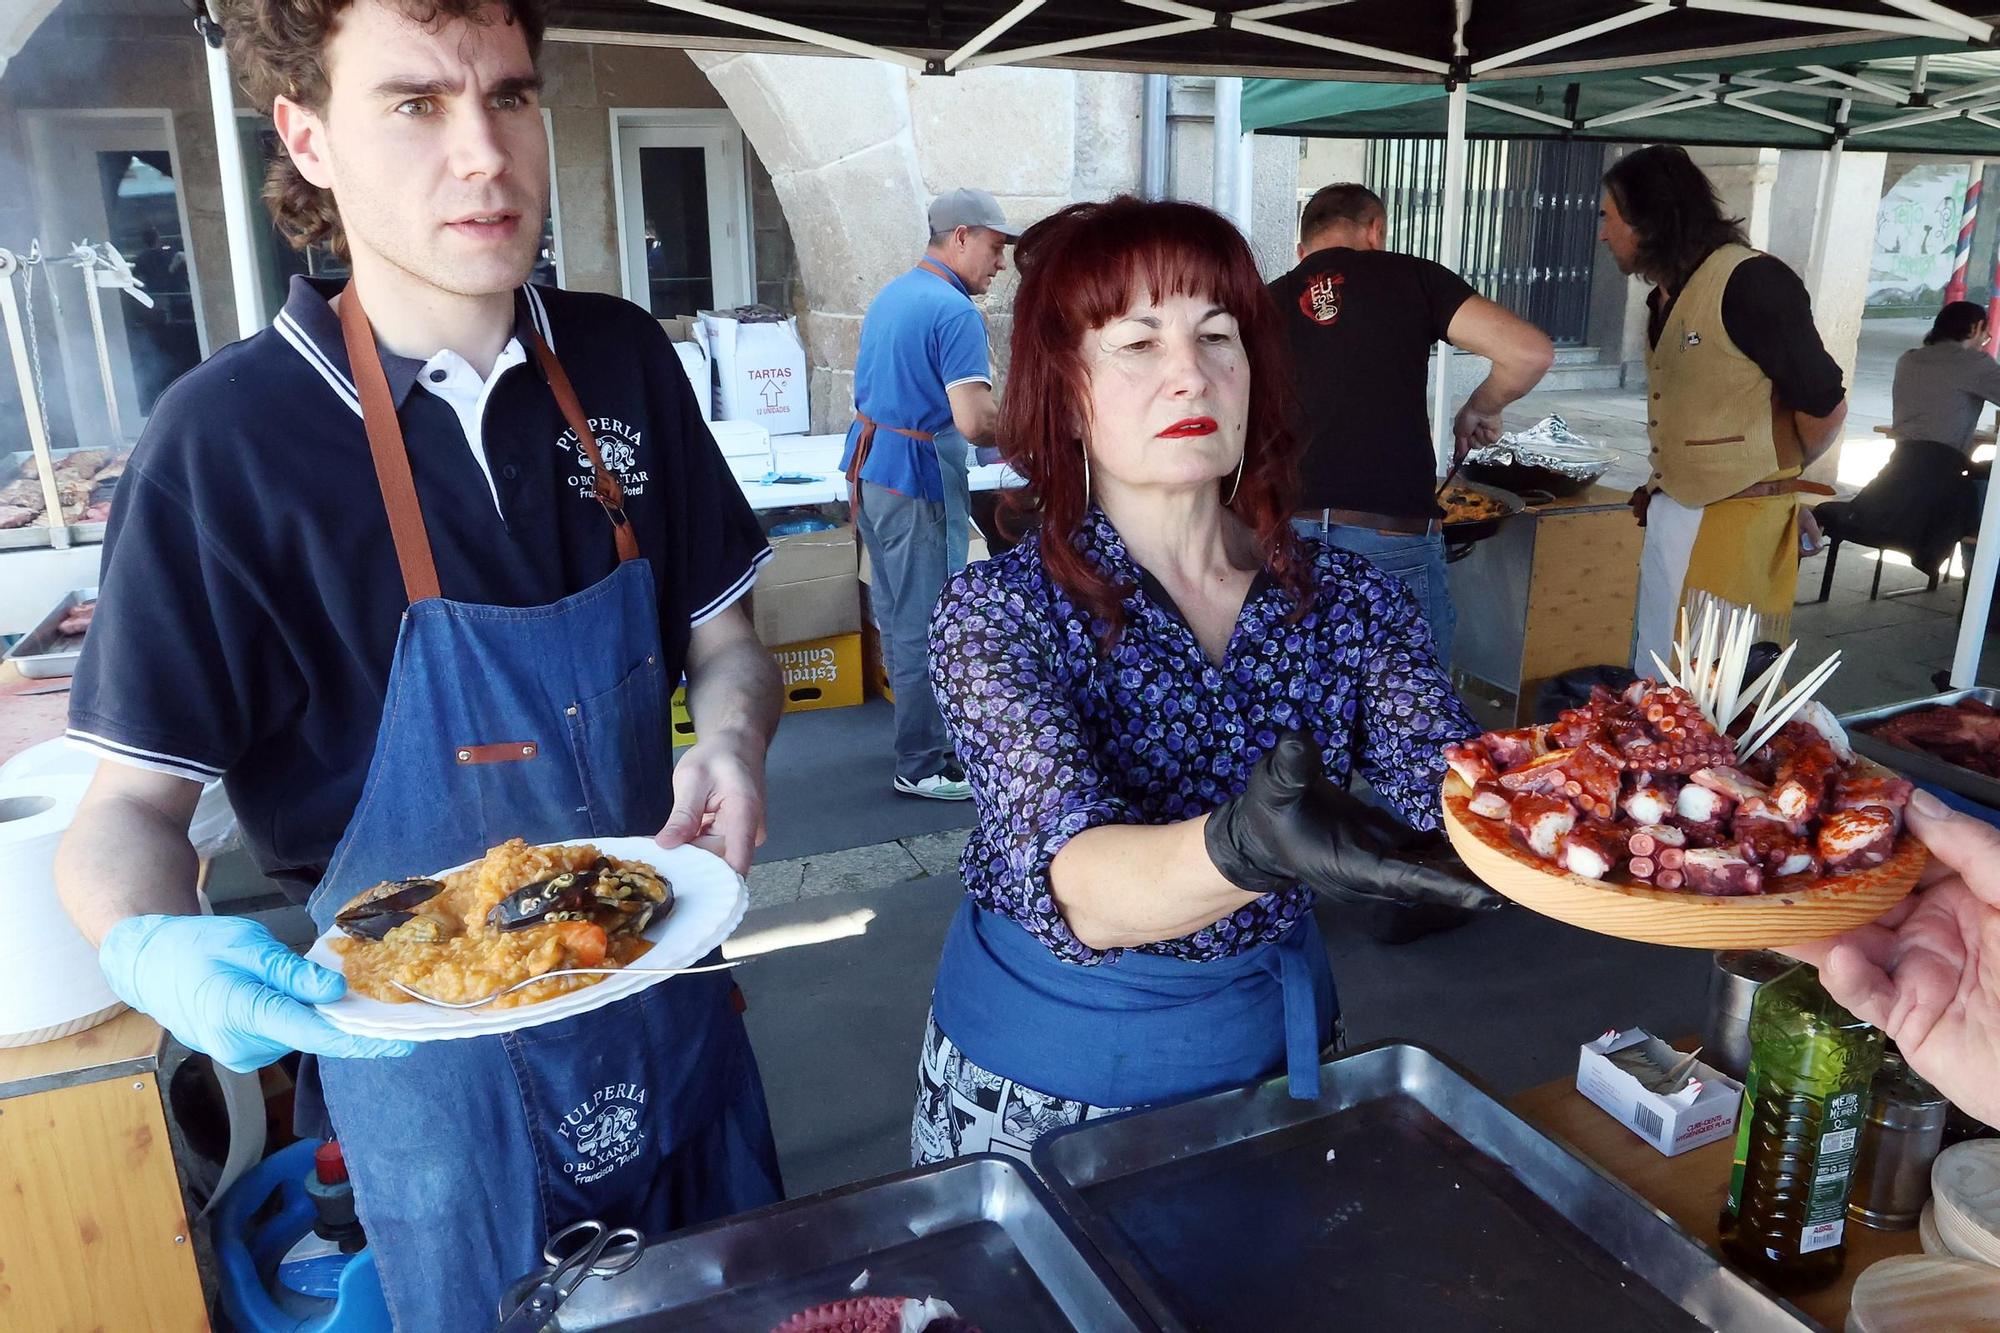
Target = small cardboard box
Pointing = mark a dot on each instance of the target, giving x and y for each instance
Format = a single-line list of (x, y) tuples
[(1702, 1112), (806, 609), (760, 372), (808, 589), (690, 342)]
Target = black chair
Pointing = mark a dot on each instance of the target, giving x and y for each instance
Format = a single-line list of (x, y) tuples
[(1838, 524)]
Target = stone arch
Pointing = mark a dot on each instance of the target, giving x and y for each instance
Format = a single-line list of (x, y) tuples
[(856, 149)]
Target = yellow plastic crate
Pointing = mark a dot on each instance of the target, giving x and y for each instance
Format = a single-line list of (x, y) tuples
[(816, 673)]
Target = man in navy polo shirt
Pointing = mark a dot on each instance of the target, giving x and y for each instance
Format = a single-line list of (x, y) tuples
[(413, 570), (923, 392)]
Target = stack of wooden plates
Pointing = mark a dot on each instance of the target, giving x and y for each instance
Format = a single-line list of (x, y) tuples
[(1916, 1293), (1964, 1211), (1927, 1230)]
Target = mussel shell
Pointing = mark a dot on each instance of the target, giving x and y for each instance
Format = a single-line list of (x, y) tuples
[(531, 904), (375, 912), (624, 901)]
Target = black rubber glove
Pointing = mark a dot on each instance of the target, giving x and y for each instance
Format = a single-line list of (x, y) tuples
[(1292, 826)]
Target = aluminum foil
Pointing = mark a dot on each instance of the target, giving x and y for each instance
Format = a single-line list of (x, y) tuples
[(1549, 443)]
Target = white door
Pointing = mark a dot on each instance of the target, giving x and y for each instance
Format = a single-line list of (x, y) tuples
[(116, 177), (683, 211)]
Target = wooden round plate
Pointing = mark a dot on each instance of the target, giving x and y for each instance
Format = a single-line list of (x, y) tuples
[(1794, 910)]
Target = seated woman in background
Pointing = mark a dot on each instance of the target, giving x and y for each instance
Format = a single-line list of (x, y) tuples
[(1154, 696), (1923, 501), (1942, 387)]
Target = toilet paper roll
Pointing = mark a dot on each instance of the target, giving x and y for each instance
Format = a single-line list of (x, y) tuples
[(50, 984)]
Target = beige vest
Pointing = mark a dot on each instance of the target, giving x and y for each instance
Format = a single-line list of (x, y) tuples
[(1715, 421)]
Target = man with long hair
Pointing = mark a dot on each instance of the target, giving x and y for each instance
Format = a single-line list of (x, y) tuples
[(380, 568), (1741, 398)]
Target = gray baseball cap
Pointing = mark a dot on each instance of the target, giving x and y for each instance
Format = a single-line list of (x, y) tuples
[(970, 208)]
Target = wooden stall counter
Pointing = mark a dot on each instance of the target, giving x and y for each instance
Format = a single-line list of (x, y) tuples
[(1692, 1187), (93, 1234), (1555, 589)]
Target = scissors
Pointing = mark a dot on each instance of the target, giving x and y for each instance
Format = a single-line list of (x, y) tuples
[(580, 1250)]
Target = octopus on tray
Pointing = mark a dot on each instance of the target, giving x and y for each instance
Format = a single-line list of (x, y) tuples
[(1966, 733), (878, 1314), (1638, 785)]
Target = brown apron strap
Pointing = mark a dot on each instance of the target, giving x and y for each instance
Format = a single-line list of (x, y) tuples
[(933, 266), (862, 446), (392, 460), (604, 482)]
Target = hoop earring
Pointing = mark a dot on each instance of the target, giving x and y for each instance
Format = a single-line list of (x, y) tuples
[(1238, 483), (1081, 449)]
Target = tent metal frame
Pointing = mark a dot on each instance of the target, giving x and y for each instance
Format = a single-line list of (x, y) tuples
[(1926, 19)]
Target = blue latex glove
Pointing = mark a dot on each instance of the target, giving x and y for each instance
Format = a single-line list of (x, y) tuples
[(225, 986)]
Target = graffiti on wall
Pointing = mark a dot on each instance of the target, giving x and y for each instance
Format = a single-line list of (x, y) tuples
[(1916, 233)]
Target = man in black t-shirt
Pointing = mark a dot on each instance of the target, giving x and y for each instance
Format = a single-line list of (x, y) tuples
[(1361, 321)]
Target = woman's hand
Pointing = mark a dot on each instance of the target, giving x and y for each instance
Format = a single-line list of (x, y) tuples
[(1290, 826), (1928, 971)]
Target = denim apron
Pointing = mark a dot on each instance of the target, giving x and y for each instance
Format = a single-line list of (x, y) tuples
[(1139, 1029), (541, 722)]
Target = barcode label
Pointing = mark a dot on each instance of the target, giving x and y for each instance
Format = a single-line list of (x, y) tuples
[(1823, 1236), (1647, 1121)]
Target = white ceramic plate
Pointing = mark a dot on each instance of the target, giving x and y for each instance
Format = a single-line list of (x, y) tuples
[(709, 902)]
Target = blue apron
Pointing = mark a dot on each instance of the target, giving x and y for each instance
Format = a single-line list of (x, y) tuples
[(1139, 1029), (542, 722), (955, 476)]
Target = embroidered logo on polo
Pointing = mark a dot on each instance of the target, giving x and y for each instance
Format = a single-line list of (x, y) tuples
[(1320, 299), (619, 444), (604, 1131), (1692, 339)]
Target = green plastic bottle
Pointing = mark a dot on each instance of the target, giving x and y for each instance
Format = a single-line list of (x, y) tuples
[(1804, 1099)]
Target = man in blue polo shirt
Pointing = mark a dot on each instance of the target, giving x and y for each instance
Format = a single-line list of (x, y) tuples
[(923, 392), (413, 586)]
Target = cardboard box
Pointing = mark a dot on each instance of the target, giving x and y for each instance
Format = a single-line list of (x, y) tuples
[(1702, 1112), (818, 673), (807, 609), (760, 372), (690, 342), (746, 440), (808, 589)]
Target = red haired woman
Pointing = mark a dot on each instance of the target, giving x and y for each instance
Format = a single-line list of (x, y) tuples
[(1154, 697)]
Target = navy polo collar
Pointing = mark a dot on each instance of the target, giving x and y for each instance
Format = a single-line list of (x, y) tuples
[(312, 328)]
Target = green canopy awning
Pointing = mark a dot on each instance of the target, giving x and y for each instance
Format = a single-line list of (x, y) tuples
[(1748, 102)]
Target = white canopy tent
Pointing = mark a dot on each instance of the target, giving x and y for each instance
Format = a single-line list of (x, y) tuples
[(1450, 42)]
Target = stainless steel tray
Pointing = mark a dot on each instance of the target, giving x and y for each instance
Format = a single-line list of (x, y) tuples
[(43, 653), (1404, 1197), (979, 1232), (1916, 763)]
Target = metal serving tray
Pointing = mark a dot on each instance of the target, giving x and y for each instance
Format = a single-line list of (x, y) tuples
[(979, 1232), (1404, 1197), (42, 654), (1916, 763)]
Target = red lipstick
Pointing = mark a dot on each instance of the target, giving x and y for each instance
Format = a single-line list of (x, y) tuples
[(1188, 428)]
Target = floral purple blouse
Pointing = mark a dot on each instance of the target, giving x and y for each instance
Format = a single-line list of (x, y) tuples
[(1057, 736)]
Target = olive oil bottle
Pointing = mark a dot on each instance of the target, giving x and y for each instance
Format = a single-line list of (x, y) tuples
[(1804, 1099)]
